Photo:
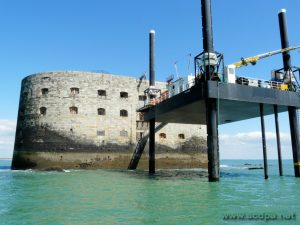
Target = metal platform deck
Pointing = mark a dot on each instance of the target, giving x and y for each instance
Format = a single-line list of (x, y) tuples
[(235, 102)]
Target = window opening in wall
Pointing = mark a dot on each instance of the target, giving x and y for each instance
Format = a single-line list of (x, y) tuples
[(123, 94), (162, 136), (123, 133), (74, 91), (181, 136), (73, 110), (123, 113), (101, 93), (100, 132), (45, 91), (139, 135), (46, 78), (142, 97), (101, 111), (43, 111)]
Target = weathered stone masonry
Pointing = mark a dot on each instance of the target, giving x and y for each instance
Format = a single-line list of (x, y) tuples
[(81, 119)]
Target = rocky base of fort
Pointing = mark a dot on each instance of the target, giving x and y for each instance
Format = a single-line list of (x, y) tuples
[(104, 160)]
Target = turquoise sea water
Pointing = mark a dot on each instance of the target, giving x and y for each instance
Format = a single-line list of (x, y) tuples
[(171, 197)]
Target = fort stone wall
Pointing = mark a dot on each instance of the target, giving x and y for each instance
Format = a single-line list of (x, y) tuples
[(72, 119)]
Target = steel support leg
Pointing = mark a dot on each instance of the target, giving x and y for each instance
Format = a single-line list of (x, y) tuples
[(295, 139), (278, 139), (263, 135), (152, 146), (212, 140)]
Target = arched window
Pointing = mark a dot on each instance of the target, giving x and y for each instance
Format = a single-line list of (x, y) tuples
[(181, 136), (44, 91), (123, 113), (74, 91), (101, 111), (73, 110), (43, 111), (162, 136), (102, 93), (123, 94)]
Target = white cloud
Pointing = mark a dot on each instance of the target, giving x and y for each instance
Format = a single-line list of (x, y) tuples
[(248, 145), (7, 137), (254, 136), (7, 126)]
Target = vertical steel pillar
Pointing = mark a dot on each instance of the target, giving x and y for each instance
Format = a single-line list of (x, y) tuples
[(295, 139), (152, 84), (207, 26), (286, 57), (278, 139), (212, 140), (263, 135), (211, 104), (291, 110), (207, 33)]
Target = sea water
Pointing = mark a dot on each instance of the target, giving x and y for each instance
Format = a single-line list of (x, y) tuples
[(133, 197)]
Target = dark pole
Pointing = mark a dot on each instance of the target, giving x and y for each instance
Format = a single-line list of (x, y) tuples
[(292, 110), (152, 57), (207, 33), (207, 26), (295, 139), (284, 39), (152, 121), (212, 140), (263, 135), (278, 139), (211, 103)]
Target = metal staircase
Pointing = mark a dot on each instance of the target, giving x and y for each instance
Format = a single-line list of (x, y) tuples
[(140, 148)]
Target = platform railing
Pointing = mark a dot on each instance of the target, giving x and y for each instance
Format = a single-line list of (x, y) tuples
[(262, 83), (240, 80)]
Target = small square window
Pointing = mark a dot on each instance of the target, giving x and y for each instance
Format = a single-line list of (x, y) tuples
[(100, 132), (45, 91), (101, 111), (181, 136), (101, 92), (43, 111), (123, 94), (73, 110), (74, 91), (123, 133), (162, 136), (123, 113)]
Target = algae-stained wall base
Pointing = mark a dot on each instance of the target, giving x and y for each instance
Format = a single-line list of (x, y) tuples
[(72, 119), (104, 160)]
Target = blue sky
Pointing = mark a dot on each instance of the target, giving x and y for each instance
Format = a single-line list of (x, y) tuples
[(112, 35)]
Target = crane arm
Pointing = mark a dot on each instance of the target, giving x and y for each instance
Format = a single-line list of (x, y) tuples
[(254, 59)]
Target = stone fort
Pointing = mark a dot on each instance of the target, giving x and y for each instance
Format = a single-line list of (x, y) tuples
[(72, 119)]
